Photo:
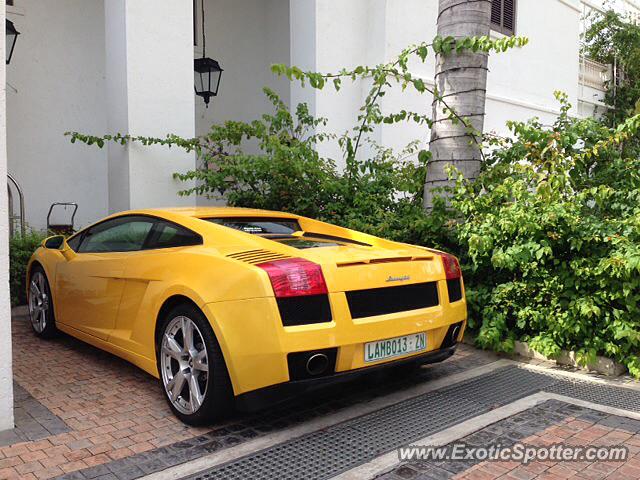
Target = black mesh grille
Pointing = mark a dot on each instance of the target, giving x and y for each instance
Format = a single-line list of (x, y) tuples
[(380, 301), (455, 290), (304, 310)]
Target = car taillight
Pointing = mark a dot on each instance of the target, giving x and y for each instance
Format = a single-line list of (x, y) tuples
[(295, 277), (451, 266)]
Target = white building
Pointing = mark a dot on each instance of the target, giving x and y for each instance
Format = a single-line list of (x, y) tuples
[(105, 66)]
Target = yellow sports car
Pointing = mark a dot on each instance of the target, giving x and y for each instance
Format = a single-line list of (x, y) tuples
[(230, 305)]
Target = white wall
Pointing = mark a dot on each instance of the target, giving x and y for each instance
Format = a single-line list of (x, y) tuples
[(521, 82), (58, 71), (6, 374)]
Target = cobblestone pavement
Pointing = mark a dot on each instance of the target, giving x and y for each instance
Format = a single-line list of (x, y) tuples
[(83, 413), (552, 422)]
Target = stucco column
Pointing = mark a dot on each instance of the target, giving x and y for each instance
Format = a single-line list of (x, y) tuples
[(149, 87), (6, 373)]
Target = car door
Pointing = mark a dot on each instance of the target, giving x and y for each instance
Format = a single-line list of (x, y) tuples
[(147, 274), (89, 285)]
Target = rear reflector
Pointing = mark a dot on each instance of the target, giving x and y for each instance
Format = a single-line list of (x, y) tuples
[(295, 277), (451, 266), (454, 288)]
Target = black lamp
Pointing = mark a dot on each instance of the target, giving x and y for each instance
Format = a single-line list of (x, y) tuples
[(208, 71), (208, 76), (12, 35)]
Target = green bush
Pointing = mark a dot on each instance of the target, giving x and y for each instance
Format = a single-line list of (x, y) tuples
[(551, 236), (381, 195), (20, 250)]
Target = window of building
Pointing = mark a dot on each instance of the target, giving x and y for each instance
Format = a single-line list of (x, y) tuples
[(503, 16)]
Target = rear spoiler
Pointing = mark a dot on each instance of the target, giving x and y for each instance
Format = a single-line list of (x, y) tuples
[(369, 261)]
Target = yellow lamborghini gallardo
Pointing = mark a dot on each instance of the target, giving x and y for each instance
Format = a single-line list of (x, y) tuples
[(235, 306)]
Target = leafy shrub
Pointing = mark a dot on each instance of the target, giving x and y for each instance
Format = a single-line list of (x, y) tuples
[(551, 231), (20, 250), (381, 195)]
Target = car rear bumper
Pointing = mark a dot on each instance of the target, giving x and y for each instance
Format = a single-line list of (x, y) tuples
[(274, 394), (256, 345)]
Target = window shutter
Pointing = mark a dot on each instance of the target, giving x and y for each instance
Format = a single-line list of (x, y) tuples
[(509, 15), (496, 12), (503, 16)]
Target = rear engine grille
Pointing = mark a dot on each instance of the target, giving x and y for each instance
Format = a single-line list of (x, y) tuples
[(304, 310), (454, 288), (380, 301), (257, 256)]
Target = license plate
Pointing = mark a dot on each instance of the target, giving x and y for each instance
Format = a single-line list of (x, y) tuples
[(394, 347)]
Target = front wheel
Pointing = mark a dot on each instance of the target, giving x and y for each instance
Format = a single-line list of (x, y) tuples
[(41, 314), (192, 370)]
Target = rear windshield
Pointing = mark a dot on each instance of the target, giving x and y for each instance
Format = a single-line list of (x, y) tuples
[(259, 225), (303, 243)]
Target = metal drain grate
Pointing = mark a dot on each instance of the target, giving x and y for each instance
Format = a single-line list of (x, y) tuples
[(618, 397), (412, 420), (502, 386), (326, 453), (329, 452)]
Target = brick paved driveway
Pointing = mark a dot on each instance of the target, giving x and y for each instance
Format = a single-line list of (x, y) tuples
[(79, 408), (84, 414)]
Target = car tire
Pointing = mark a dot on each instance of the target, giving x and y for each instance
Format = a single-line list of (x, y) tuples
[(182, 368), (40, 304)]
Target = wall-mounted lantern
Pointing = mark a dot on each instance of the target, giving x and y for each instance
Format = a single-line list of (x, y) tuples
[(12, 35), (208, 71), (208, 76)]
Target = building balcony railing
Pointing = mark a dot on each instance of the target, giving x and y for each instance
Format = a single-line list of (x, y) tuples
[(595, 74)]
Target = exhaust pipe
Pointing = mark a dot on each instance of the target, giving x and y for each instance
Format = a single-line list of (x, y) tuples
[(317, 364), (455, 331)]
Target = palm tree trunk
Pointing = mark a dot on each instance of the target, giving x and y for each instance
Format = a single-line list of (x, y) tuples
[(462, 80)]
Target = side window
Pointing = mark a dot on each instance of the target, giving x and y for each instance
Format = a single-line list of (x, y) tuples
[(122, 234), (74, 242), (167, 234)]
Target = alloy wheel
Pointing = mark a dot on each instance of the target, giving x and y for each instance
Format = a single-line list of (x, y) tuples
[(184, 364), (38, 301)]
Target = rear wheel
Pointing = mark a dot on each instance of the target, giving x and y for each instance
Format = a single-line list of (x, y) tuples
[(40, 305), (192, 370)]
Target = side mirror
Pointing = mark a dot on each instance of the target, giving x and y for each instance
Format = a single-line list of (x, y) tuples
[(59, 242), (54, 243)]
